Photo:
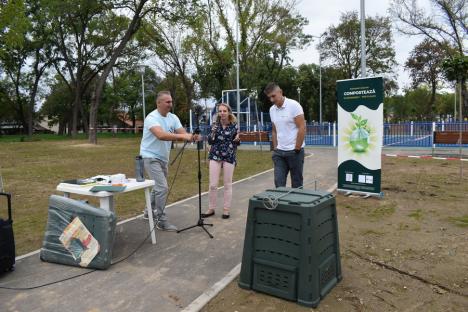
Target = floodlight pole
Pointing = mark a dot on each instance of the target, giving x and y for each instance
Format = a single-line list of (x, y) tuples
[(460, 114), (237, 64), (363, 40), (142, 71), (320, 76), (455, 103)]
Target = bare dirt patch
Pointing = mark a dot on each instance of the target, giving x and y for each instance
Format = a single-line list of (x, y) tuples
[(405, 252)]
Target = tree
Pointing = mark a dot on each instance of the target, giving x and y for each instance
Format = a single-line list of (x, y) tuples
[(81, 41), (341, 45), (137, 10), (410, 106), (126, 92), (446, 25), (171, 42), (268, 31), (58, 104), (425, 66), (456, 69), (13, 24), (24, 57)]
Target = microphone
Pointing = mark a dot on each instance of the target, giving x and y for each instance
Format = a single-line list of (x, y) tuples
[(233, 137), (200, 142), (214, 128)]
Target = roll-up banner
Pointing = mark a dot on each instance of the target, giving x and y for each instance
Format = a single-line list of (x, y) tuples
[(360, 129)]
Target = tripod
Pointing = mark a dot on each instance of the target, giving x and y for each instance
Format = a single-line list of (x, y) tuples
[(201, 223)]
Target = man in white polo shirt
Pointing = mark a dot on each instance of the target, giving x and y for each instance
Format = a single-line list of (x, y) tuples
[(288, 132), (160, 128)]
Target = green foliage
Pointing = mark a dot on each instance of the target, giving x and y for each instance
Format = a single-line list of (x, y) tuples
[(13, 24), (268, 32), (413, 105), (425, 66), (456, 68), (341, 45), (425, 63), (58, 104), (24, 57)]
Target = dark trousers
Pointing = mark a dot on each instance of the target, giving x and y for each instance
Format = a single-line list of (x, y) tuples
[(288, 162)]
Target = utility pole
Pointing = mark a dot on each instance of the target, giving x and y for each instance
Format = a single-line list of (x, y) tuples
[(237, 65), (320, 76), (363, 40), (142, 71)]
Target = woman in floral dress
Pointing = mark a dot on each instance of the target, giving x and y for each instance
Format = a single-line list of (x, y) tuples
[(224, 140)]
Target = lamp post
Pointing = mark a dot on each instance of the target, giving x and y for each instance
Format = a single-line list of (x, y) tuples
[(320, 76), (237, 64), (299, 93), (142, 72), (363, 39)]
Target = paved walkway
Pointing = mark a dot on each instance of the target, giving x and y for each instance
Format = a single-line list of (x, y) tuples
[(163, 277)]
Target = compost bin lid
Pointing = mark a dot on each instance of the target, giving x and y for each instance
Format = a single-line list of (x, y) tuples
[(293, 195)]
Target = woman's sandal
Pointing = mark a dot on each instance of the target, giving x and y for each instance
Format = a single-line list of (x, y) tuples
[(208, 214), (225, 214)]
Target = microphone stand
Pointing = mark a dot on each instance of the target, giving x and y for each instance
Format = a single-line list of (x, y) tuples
[(201, 223)]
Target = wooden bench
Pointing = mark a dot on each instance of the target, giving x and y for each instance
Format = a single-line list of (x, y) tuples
[(254, 136), (450, 137)]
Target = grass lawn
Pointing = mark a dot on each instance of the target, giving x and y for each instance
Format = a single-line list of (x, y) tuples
[(32, 170)]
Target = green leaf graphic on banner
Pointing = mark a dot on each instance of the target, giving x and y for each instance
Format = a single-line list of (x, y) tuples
[(359, 138)]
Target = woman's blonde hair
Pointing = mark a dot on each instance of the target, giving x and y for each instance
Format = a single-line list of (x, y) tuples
[(232, 119)]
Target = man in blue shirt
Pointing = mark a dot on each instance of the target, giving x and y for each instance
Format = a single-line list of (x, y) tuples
[(160, 128)]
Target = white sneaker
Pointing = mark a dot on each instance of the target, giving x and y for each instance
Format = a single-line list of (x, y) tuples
[(164, 225)]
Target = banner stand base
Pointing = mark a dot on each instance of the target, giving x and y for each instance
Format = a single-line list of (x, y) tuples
[(365, 194)]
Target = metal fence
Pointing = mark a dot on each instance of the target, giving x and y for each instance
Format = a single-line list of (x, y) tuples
[(409, 134)]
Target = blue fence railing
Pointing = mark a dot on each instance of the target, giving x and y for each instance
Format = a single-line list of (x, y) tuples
[(409, 134)]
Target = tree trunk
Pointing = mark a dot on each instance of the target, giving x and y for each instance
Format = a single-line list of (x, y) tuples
[(61, 128), (84, 119), (92, 134), (32, 94), (464, 96), (32, 101), (29, 117), (432, 100), (76, 107)]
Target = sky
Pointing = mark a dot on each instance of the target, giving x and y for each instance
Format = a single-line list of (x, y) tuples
[(322, 14)]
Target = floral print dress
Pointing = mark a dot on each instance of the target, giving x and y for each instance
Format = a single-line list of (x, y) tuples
[(223, 148)]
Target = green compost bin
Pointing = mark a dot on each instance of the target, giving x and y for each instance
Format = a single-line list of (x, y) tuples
[(291, 249), (99, 222)]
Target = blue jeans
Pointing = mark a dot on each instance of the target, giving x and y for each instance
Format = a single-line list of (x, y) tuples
[(288, 162), (157, 171)]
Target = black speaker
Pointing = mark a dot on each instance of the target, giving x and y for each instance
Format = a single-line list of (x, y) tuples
[(7, 241)]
